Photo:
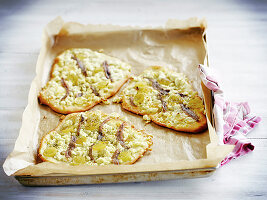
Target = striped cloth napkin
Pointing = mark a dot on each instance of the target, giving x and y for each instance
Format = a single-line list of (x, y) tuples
[(233, 121)]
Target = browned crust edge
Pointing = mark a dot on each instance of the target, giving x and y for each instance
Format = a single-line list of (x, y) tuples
[(40, 157), (73, 109), (196, 127), (150, 143)]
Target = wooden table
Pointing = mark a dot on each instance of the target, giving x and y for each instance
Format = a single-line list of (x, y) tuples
[(237, 50)]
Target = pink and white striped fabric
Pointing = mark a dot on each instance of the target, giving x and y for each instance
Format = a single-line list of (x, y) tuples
[(233, 121)]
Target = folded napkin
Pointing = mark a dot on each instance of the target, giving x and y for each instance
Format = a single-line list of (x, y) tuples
[(233, 121)]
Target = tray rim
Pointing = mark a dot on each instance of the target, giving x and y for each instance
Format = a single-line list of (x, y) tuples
[(114, 178), (110, 174)]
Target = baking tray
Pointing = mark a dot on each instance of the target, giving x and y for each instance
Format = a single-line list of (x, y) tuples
[(114, 178), (20, 163)]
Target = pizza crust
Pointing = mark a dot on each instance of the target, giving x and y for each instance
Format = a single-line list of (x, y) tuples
[(179, 102), (135, 142), (78, 80)]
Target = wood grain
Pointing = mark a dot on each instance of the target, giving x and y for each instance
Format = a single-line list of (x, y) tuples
[(237, 45)]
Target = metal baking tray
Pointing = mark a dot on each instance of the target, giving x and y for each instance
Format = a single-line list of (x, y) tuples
[(113, 178), (148, 174)]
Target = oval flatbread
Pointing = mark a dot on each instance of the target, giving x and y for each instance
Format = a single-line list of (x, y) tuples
[(166, 98), (94, 138), (82, 78)]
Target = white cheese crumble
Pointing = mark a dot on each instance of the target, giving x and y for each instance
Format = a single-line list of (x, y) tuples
[(79, 85), (56, 143), (144, 93)]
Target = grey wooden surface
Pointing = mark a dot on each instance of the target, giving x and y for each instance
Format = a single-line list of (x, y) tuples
[(237, 50)]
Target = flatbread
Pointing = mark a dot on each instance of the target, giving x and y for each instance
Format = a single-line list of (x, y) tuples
[(166, 98), (82, 78), (94, 138)]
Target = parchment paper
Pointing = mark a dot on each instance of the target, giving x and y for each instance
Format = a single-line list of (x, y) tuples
[(179, 46)]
